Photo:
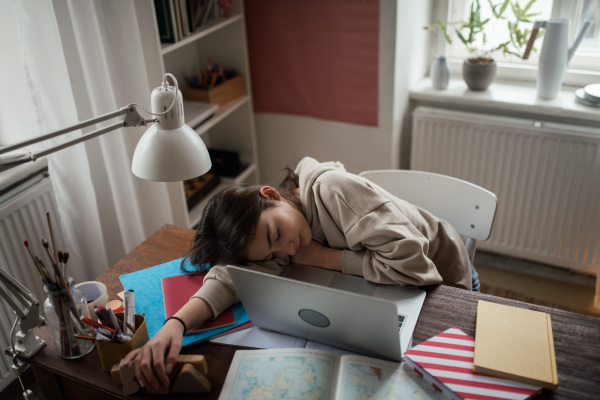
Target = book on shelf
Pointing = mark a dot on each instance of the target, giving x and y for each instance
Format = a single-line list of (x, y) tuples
[(446, 362), (515, 343), (178, 19), (312, 373), (177, 290), (163, 19)]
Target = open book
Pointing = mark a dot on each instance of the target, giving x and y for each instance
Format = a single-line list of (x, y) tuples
[(308, 373)]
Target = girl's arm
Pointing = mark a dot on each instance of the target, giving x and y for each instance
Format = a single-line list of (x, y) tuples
[(319, 256), (150, 363)]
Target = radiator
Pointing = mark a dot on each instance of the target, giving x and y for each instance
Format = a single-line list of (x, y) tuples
[(546, 177), (23, 217)]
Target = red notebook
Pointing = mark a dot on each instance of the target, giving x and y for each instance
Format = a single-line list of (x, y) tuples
[(177, 290)]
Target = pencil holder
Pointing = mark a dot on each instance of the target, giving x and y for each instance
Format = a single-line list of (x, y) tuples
[(63, 310), (225, 92), (111, 353)]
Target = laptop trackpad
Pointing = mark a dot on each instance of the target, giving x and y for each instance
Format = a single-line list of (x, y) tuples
[(354, 284)]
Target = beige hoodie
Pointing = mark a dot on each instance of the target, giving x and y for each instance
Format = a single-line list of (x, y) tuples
[(383, 238)]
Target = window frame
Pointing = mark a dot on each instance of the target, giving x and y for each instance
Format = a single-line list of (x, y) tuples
[(584, 68)]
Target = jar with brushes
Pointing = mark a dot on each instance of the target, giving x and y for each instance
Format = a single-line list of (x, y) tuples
[(63, 308)]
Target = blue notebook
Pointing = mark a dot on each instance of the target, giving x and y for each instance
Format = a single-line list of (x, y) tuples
[(149, 300)]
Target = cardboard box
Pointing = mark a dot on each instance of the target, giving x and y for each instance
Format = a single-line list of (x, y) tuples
[(225, 92)]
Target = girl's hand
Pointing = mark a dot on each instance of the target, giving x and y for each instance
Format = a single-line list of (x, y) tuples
[(318, 255), (151, 365)]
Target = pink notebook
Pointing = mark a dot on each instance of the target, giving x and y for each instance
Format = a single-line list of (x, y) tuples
[(177, 290)]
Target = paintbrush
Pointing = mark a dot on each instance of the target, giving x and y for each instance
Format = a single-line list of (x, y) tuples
[(37, 266), (65, 258), (49, 252), (51, 235), (61, 265), (52, 285)]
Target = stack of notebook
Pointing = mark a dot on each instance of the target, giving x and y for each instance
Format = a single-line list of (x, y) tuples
[(511, 357)]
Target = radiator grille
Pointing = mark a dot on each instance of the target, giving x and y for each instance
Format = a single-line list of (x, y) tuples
[(23, 217), (546, 177)]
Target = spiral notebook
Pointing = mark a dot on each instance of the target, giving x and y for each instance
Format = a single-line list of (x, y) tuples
[(177, 290)]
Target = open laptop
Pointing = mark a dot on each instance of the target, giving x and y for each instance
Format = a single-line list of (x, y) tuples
[(331, 308)]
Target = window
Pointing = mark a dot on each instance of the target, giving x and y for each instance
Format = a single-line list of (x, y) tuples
[(584, 67)]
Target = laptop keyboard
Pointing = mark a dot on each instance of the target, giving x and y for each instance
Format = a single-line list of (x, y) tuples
[(401, 319)]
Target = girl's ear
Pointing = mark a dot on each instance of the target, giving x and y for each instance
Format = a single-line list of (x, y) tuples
[(270, 193)]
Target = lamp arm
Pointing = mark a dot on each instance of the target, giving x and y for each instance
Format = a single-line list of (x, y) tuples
[(64, 130), (27, 308), (19, 292), (131, 119)]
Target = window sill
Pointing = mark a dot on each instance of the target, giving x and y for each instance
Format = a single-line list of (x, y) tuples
[(508, 98)]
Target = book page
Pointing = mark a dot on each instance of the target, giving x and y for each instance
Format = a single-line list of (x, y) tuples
[(260, 338), (280, 374), (365, 377)]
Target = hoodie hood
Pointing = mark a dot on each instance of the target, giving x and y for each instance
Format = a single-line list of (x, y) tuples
[(308, 171)]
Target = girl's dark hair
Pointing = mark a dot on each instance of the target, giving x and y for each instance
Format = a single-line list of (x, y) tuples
[(229, 223)]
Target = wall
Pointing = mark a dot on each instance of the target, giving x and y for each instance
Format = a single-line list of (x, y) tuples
[(285, 139)]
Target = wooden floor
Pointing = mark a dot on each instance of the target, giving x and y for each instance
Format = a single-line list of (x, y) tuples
[(538, 284)]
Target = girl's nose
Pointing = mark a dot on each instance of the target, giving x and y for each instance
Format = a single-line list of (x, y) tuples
[(288, 248)]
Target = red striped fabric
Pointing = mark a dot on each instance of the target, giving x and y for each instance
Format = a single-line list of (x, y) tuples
[(446, 360)]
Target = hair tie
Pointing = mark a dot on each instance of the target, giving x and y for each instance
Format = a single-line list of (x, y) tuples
[(180, 320)]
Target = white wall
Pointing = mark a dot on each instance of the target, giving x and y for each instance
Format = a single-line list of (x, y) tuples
[(403, 47)]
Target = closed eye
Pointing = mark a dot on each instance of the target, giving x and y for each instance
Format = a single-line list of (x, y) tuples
[(277, 237)]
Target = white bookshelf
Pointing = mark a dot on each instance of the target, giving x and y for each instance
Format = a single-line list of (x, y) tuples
[(232, 127)]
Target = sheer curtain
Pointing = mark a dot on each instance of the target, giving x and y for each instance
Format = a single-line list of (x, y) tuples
[(73, 60)]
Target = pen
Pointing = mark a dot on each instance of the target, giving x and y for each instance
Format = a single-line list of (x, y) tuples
[(95, 324), (129, 311), (84, 337), (114, 321)]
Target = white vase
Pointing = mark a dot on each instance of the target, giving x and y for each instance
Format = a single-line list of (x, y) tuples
[(440, 73)]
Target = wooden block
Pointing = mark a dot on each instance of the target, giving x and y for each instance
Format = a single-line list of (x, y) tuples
[(128, 380), (190, 380), (115, 372), (198, 361)]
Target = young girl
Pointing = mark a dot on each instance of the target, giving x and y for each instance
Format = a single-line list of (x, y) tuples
[(320, 215)]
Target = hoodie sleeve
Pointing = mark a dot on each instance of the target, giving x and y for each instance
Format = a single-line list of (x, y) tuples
[(381, 243), (388, 249), (218, 291)]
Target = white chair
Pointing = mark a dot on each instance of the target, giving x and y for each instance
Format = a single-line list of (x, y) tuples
[(469, 208)]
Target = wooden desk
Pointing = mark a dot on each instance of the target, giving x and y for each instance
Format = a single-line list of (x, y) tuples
[(576, 337)]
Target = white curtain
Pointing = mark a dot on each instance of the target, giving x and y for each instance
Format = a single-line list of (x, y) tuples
[(72, 60)]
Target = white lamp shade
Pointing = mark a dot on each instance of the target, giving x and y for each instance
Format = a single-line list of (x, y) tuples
[(169, 150), (170, 155)]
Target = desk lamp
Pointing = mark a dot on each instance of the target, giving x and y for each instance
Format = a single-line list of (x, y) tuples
[(168, 151)]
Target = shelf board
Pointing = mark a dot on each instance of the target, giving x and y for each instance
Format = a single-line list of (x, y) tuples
[(195, 214), (222, 112), (212, 25)]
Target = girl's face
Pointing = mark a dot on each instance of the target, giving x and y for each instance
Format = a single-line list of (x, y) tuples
[(281, 230)]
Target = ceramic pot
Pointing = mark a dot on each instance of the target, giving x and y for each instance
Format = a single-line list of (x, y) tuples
[(440, 73), (479, 76)]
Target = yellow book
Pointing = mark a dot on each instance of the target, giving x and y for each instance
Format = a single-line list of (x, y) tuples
[(515, 343)]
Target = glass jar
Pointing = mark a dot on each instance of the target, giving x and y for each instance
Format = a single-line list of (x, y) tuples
[(63, 310)]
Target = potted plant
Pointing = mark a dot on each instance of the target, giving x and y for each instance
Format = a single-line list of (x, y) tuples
[(479, 68)]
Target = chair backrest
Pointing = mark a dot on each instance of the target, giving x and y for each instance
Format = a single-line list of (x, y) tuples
[(469, 208)]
